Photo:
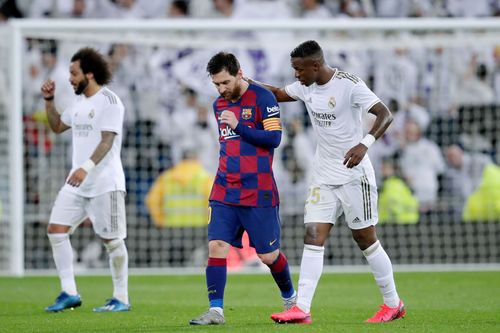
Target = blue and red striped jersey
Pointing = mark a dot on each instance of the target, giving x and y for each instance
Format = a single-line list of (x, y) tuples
[(245, 174)]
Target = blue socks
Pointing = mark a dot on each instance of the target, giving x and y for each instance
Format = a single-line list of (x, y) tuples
[(281, 274), (216, 274)]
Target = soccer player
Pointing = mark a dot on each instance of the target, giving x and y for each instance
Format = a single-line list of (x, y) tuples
[(343, 178), (95, 187), (244, 194)]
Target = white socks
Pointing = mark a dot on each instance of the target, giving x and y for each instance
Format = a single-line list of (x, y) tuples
[(381, 267), (311, 268), (219, 310), (118, 264), (63, 258)]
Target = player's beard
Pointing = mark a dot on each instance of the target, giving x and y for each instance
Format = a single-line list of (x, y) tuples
[(82, 85), (234, 95)]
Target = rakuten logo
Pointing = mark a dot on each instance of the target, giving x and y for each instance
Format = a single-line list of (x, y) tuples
[(228, 133)]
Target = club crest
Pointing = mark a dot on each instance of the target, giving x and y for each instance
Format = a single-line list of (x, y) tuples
[(332, 102), (91, 114), (246, 113)]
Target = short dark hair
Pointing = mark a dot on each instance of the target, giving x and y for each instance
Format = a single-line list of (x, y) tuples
[(307, 49), (182, 6), (223, 61), (92, 61)]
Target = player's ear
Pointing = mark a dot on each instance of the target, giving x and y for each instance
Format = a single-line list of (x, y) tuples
[(316, 65), (239, 75), (89, 75)]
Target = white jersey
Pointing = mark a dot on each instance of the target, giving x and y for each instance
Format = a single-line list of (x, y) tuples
[(336, 111), (88, 117)]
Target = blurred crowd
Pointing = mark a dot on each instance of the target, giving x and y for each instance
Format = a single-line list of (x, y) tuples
[(440, 153), (310, 9)]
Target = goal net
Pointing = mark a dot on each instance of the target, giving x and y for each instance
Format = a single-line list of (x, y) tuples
[(437, 166)]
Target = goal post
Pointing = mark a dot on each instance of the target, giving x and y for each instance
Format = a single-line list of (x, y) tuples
[(22, 221), (16, 156)]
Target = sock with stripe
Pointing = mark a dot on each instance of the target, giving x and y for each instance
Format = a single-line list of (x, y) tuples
[(281, 274), (63, 258), (311, 268), (118, 264), (381, 268), (216, 275)]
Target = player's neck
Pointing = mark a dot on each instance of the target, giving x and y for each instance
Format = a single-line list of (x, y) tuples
[(91, 89), (326, 75)]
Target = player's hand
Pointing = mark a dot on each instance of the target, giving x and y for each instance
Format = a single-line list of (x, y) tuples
[(227, 117), (48, 89), (355, 155), (77, 177)]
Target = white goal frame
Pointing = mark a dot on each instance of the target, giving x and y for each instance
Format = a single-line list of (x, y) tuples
[(20, 29)]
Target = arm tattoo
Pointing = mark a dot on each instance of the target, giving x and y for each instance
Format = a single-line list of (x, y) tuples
[(103, 147), (54, 118)]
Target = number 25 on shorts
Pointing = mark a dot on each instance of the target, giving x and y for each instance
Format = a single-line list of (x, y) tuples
[(313, 195)]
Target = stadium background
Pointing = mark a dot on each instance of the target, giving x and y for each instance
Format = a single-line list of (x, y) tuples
[(442, 84)]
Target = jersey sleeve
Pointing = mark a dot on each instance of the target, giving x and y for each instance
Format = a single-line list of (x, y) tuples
[(295, 91), (112, 119), (362, 97), (270, 136), (270, 110)]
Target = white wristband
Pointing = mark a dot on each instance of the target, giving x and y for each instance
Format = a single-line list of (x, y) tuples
[(88, 165), (368, 140)]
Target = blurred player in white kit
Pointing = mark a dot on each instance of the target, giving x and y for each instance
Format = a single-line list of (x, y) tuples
[(95, 187)]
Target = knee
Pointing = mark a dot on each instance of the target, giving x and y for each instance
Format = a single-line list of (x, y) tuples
[(57, 239), (218, 249), (314, 237), (364, 240), (57, 229), (269, 258), (113, 244)]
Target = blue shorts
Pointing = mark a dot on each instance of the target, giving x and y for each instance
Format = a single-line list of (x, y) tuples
[(228, 222)]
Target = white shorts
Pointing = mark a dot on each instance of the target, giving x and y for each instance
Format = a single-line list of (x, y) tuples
[(357, 200), (107, 213)]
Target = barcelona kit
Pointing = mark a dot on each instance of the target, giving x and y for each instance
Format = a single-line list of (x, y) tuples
[(244, 195)]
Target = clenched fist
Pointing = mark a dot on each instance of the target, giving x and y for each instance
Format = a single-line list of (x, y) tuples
[(228, 117), (48, 89)]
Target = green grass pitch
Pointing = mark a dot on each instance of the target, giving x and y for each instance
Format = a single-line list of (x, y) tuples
[(436, 302)]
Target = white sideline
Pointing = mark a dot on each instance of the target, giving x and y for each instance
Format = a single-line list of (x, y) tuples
[(344, 269)]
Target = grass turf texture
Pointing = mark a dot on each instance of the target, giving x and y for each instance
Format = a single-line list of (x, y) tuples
[(436, 302)]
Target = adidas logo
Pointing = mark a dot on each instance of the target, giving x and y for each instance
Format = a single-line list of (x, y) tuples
[(356, 220)]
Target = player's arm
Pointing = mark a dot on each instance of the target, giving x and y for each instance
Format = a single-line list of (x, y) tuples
[(78, 176), (279, 93), (107, 138), (48, 90), (382, 122), (269, 137)]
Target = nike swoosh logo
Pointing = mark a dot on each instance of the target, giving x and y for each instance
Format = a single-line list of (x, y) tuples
[(272, 242)]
